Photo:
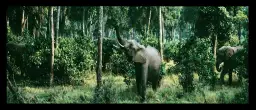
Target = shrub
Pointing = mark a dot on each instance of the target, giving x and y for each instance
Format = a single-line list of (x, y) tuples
[(106, 93), (170, 49), (120, 65), (243, 96), (234, 41), (195, 56), (72, 58)]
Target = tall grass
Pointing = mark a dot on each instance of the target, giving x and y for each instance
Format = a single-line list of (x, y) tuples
[(115, 90)]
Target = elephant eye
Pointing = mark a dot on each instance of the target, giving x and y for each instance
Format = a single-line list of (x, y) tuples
[(130, 45)]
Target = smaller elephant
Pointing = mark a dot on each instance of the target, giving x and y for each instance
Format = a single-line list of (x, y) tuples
[(229, 56), (16, 51)]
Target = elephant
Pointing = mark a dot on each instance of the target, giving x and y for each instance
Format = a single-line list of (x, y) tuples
[(17, 54), (229, 56), (147, 63), (16, 51)]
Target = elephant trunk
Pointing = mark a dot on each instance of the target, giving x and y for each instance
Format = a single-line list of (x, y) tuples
[(218, 66), (121, 41)]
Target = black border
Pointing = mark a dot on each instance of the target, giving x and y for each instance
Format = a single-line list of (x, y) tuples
[(131, 3)]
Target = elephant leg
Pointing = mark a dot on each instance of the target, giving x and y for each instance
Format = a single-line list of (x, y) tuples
[(230, 76), (154, 85), (144, 82), (156, 82), (138, 82), (159, 80), (154, 79), (224, 71)]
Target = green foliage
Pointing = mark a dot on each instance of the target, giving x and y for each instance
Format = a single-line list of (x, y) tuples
[(114, 90), (106, 93), (213, 21), (234, 41), (118, 15), (170, 49), (107, 52), (120, 65), (242, 60), (243, 96), (151, 40), (195, 56), (72, 58)]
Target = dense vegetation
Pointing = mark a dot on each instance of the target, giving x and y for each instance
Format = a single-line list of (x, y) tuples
[(190, 38)]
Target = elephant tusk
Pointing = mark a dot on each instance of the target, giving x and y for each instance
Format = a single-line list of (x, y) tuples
[(120, 44)]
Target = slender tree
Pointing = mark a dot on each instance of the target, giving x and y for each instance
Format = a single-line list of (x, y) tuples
[(57, 26), (160, 34), (52, 53), (83, 29), (99, 67)]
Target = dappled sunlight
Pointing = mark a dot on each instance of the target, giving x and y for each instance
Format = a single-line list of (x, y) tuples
[(170, 80), (33, 90)]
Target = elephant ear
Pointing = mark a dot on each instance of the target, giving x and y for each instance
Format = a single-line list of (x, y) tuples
[(229, 53), (139, 57), (140, 47)]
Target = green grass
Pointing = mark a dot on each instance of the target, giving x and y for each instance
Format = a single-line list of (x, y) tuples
[(114, 90)]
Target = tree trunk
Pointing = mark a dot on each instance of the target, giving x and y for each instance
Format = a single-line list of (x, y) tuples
[(173, 33), (61, 19), (27, 23), (83, 29), (163, 34), (57, 27), (132, 33), (170, 33), (109, 32), (22, 21), (99, 67), (160, 32), (149, 21), (7, 20), (239, 32), (180, 36), (49, 22), (34, 32), (40, 18), (37, 29), (52, 53), (91, 28), (215, 50)]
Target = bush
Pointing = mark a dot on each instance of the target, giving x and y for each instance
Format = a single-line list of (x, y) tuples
[(195, 56), (170, 49), (243, 96), (234, 41), (107, 52), (72, 58), (106, 93), (151, 40), (120, 65)]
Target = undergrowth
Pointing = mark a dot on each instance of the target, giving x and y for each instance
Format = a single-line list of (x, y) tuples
[(115, 90)]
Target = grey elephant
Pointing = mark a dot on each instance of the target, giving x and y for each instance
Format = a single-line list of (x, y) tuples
[(147, 63), (16, 52), (229, 56)]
